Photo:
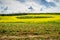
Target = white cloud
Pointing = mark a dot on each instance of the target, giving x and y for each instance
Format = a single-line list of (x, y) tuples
[(16, 6), (49, 0)]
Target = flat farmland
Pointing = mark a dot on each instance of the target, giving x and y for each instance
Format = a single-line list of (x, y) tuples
[(30, 18), (30, 27)]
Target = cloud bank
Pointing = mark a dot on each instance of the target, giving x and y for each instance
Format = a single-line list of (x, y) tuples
[(29, 6)]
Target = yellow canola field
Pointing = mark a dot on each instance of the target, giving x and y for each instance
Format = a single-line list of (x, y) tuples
[(30, 20)]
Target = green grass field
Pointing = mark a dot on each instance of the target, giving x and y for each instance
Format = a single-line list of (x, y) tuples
[(25, 25)]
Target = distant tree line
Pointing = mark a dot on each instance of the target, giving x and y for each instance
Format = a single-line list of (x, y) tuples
[(14, 14)]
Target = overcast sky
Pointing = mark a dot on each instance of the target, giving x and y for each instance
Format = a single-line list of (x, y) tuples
[(29, 6)]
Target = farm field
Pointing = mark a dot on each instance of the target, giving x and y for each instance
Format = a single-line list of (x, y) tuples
[(30, 18), (30, 27)]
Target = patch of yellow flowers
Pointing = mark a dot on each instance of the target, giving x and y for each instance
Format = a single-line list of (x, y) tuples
[(14, 19)]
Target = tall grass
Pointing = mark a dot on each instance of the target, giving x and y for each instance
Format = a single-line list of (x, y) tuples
[(30, 28)]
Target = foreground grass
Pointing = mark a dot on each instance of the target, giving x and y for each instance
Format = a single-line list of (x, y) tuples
[(46, 29), (33, 28)]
